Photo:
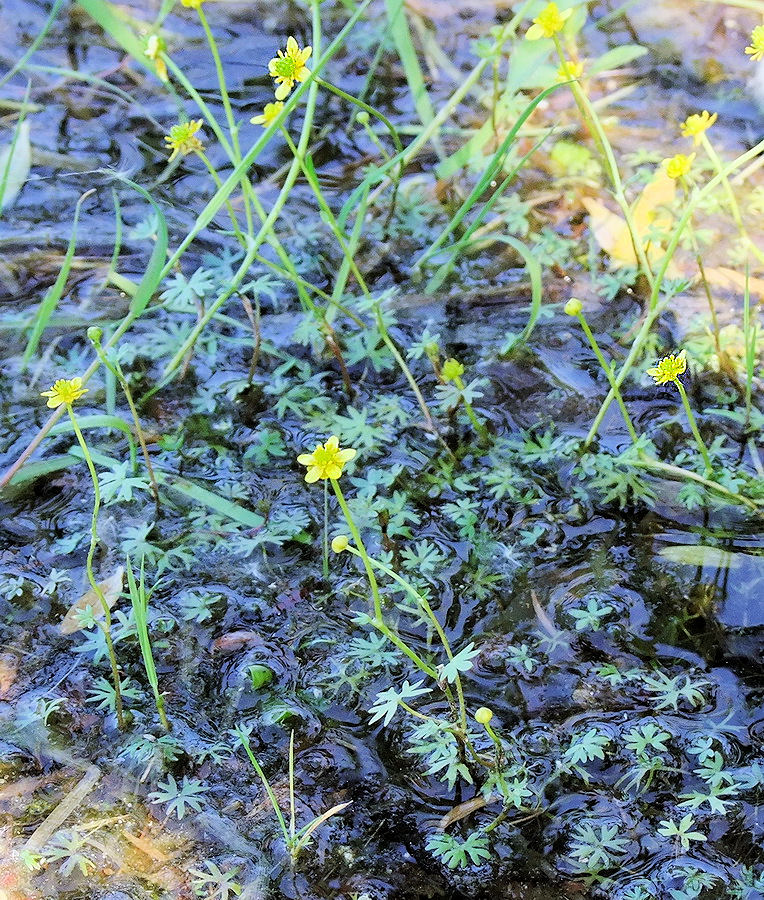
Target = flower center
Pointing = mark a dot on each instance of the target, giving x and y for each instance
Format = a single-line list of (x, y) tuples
[(286, 67)]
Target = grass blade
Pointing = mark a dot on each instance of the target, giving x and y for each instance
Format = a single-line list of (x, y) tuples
[(50, 300)]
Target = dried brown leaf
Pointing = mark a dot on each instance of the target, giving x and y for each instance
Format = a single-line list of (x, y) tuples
[(111, 588)]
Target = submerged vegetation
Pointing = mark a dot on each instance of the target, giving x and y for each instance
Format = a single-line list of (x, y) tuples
[(396, 527)]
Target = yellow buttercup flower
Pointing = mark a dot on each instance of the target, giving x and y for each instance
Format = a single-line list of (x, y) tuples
[(669, 368), (326, 461), (678, 166), (182, 138), (697, 125), (65, 390), (193, 4), (570, 69), (269, 115), (756, 50), (340, 543), (154, 47), (289, 67), (549, 22)]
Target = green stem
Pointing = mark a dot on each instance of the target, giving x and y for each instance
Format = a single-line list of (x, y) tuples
[(654, 306), (609, 375), (325, 561), (589, 114), (232, 126), (646, 462), (106, 625), (694, 426), (476, 423), (117, 372), (342, 241), (228, 205), (422, 601), (386, 122), (734, 208), (361, 549)]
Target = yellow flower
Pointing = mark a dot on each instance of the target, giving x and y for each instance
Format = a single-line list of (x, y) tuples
[(570, 70), (548, 23), (182, 138), (696, 126), (269, 114), (756, 50), (193, 4), (65, 390), (154, 47), (326, 461), (678, 166), (452, 369), (669, 368), (288, 67)]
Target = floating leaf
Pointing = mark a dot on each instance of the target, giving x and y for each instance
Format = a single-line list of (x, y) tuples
[(111, 588)]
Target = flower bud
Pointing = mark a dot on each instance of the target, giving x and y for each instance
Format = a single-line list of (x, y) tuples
[(362, 117), (574, 307), (483, 716), (95, 334), (452, 369), (340, 543)]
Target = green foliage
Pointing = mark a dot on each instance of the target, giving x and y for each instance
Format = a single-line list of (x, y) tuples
[(458, 854)]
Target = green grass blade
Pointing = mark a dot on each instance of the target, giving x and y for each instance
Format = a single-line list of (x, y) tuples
[(215, 502), (533, 268), (19, 64), (106, 15), (140, 604), (50, 300), (399, 29)]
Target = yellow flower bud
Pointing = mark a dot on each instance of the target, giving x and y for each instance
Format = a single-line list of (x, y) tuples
[(452, 369), (484, 715), (340, 543), (574, 307)]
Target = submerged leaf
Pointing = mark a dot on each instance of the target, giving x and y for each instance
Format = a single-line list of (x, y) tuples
[(702, 555)]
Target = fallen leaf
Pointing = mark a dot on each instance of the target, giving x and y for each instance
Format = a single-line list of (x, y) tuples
[(649, 212), (9, 666), (15, 160), (235, 640), (443, 9), (462, 810), (111, 589), (729, 279)]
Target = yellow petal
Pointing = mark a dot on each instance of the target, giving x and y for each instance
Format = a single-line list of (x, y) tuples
[(534, 33), (283, 90), (306, 459), (292, 48), (333, 442), (313, 474), (333, 471), (346, 455)]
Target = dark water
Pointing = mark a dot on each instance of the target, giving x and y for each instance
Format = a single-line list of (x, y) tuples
[(682, 588)]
